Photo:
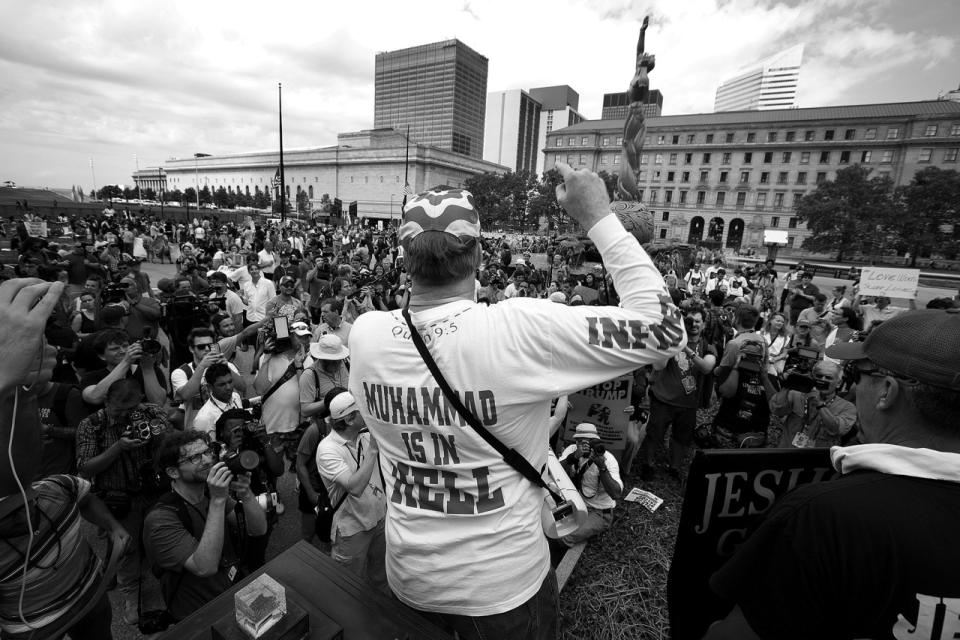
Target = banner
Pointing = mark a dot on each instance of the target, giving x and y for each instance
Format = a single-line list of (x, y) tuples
[(606, 406), (728, 493), (886, 281)]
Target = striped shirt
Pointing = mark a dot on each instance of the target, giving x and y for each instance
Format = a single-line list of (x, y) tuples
[(62, 567)]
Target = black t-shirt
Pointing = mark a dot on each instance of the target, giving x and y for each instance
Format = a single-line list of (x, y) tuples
[(843, 559)]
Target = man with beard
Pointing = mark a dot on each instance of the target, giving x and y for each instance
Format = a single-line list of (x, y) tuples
[(674, 397), (192, 533)]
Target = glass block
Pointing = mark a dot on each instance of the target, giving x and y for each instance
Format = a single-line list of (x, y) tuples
[(260, 605)]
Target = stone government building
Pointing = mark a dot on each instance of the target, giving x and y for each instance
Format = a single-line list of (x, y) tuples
[(364, 166), (726, 177)]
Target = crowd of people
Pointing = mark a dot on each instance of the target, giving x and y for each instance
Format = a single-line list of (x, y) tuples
[(168, 413)]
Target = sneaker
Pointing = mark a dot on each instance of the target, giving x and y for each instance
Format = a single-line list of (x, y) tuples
[(130, 615)]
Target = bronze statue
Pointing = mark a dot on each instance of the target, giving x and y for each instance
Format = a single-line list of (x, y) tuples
[(628, 208)]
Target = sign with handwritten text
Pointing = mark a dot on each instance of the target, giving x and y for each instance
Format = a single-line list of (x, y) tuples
[(893, 283)]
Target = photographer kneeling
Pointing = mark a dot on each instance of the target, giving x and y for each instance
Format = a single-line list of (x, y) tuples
[(596, 475), (186, 533)]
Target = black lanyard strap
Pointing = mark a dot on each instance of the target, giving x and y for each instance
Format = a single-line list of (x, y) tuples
[(511, 456)]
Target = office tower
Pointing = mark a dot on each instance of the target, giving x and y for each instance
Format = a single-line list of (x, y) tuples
[(511, 130), (439, 90), (615, 105), (768, 84), (558, 109)]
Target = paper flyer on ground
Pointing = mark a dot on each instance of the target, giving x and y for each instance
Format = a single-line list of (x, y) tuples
[(647, 499)]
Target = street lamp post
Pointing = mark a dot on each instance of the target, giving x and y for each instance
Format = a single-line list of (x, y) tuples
[(196, 175)]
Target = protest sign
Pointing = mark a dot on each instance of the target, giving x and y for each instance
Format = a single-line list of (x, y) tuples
[(728, 493), (604, 406), (36, 228), (893, 283)]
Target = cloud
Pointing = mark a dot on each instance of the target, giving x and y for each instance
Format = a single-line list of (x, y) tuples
[(111, 78)]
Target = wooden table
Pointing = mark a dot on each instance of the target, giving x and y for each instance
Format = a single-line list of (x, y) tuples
[(362, 611)]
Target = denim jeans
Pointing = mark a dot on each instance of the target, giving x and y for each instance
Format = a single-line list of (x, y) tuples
[(535, 619)]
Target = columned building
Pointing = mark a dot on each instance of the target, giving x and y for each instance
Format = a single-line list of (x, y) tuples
[(726, 177), (154, 178), (368, 167)]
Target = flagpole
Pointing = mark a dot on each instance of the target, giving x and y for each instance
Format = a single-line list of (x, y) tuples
[(283, 186), (406, 170)]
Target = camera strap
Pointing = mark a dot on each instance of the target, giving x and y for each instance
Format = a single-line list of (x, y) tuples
[(289, 373), (511, 456)]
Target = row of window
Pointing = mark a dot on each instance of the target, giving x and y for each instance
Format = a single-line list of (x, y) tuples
[(809, 135), (720, 200), (792, 223), (766, 177)]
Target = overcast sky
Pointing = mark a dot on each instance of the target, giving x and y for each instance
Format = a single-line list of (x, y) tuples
[(113, 80)]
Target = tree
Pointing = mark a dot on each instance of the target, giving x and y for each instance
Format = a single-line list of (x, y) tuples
[(189, 196), (220, 198), (543, 204), (931, 203), (130, 194), (844, 213), (149, 194), (302, 201), (110, 192), (205, 196), (261, 200)]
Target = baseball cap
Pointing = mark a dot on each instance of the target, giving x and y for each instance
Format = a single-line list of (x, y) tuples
[(557, 296), (342, 406), (586, 431), (923, 345), (300, 328), (450, 210)]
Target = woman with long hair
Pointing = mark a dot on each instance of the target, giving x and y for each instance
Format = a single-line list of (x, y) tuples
[(774, 333)]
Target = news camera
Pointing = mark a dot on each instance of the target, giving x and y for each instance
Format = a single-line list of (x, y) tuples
[(798, 368)]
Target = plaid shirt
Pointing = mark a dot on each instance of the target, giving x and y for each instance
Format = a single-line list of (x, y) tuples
[(97, 433)]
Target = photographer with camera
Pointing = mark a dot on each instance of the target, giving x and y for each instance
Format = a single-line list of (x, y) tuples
[(114, 448), (232, 303), (814, 417), (189, 386), (122, 359), (221, 397), (596, 475), (194, 534)]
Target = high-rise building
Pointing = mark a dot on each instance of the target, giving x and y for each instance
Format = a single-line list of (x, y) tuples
[(615, 105), (511, 130), (439, 90), (768, 84), (558, 109)]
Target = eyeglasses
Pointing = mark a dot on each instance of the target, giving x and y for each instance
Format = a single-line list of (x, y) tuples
[(204, 346), (196, 457)]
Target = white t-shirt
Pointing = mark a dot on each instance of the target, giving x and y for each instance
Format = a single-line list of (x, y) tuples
[(210, 412), (281, 411), (463, 528), (591, 488), (179, 378), (258, 295)]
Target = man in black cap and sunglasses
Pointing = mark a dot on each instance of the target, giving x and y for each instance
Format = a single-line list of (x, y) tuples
[(872, 553)]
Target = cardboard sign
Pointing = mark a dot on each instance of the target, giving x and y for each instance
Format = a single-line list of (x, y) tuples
[(36, 228), (893, 283), (604, 406), (728, 493)]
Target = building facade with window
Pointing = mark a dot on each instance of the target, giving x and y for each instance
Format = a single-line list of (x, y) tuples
[(154, 178), (725, 177), (615, 105), (366, 166), (512, 129), (439, 90)]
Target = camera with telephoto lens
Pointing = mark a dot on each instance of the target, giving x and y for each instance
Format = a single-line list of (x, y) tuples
[(238, 462), (798, 369), (751, 357)]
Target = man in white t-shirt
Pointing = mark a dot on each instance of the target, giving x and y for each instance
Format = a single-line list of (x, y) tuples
[(258, 292), (189, 386), (219, 380), (347, 462), (596, 474), (462, 523), (233, 303)]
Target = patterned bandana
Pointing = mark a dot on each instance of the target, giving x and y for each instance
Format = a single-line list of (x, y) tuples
[(451, 211)]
